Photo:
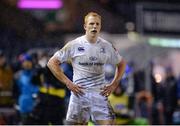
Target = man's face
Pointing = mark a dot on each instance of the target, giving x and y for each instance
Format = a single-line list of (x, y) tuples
[(27, 65), (92, 26)]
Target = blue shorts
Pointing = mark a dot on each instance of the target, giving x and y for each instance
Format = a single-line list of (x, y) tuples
[(91, 104)]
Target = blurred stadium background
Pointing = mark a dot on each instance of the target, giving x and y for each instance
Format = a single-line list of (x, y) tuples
[(145, 32)]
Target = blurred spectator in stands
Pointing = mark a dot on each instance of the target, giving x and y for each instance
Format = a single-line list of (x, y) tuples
[(176, 114), (119, 100), (139, 80), (143, 97), (50, 107), (157, 108), (169, 95), (6, 81), (156, 89), (26, 88)]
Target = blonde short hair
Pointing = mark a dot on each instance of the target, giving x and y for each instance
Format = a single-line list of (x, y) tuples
[(91, 14)]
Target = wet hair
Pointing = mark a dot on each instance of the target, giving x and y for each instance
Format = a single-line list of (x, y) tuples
[(94, 14)]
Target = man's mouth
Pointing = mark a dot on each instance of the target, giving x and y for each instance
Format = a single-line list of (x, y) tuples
[(94, 31)]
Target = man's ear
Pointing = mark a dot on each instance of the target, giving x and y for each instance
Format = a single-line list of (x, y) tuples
[(85, 26)]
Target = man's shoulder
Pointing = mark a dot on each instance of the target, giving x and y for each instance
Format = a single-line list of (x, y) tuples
[(104, 42)]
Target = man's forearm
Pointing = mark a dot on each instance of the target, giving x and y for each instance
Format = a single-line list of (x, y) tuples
[(119, 72)]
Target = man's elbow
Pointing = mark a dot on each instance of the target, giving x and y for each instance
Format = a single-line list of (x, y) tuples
[(123, 63), (49, 64), (52, 62)]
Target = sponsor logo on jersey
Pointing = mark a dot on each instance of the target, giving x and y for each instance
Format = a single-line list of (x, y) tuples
[(90, 64), (81, 49), (93, 58)]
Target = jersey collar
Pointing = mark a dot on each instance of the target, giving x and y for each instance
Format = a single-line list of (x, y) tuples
[(86, 41)]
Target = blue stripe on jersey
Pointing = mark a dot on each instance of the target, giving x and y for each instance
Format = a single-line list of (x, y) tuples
[(91, 81), (92, 84), (87, 79)]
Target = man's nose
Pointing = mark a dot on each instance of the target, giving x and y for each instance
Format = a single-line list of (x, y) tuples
[(95, 25)]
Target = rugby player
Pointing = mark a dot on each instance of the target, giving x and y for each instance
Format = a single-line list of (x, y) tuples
[(89, 92)]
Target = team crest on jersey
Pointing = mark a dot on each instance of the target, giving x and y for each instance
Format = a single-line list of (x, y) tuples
[(102, 50), (81, 49)]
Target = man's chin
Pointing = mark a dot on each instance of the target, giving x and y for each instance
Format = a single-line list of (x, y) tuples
[(93, 35)]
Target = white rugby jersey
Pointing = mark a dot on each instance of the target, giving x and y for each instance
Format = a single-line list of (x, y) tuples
[(88, 60)]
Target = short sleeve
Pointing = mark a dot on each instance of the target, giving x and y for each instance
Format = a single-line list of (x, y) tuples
[(115, 57), (64, 53)]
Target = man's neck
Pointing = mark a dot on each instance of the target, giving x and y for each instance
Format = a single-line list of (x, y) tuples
[(91, 39)]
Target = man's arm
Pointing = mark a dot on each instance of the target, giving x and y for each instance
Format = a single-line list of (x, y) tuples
[(54, 66), (120, 68)]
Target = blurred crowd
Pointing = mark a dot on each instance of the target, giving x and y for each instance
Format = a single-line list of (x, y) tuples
[(30, 94)]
